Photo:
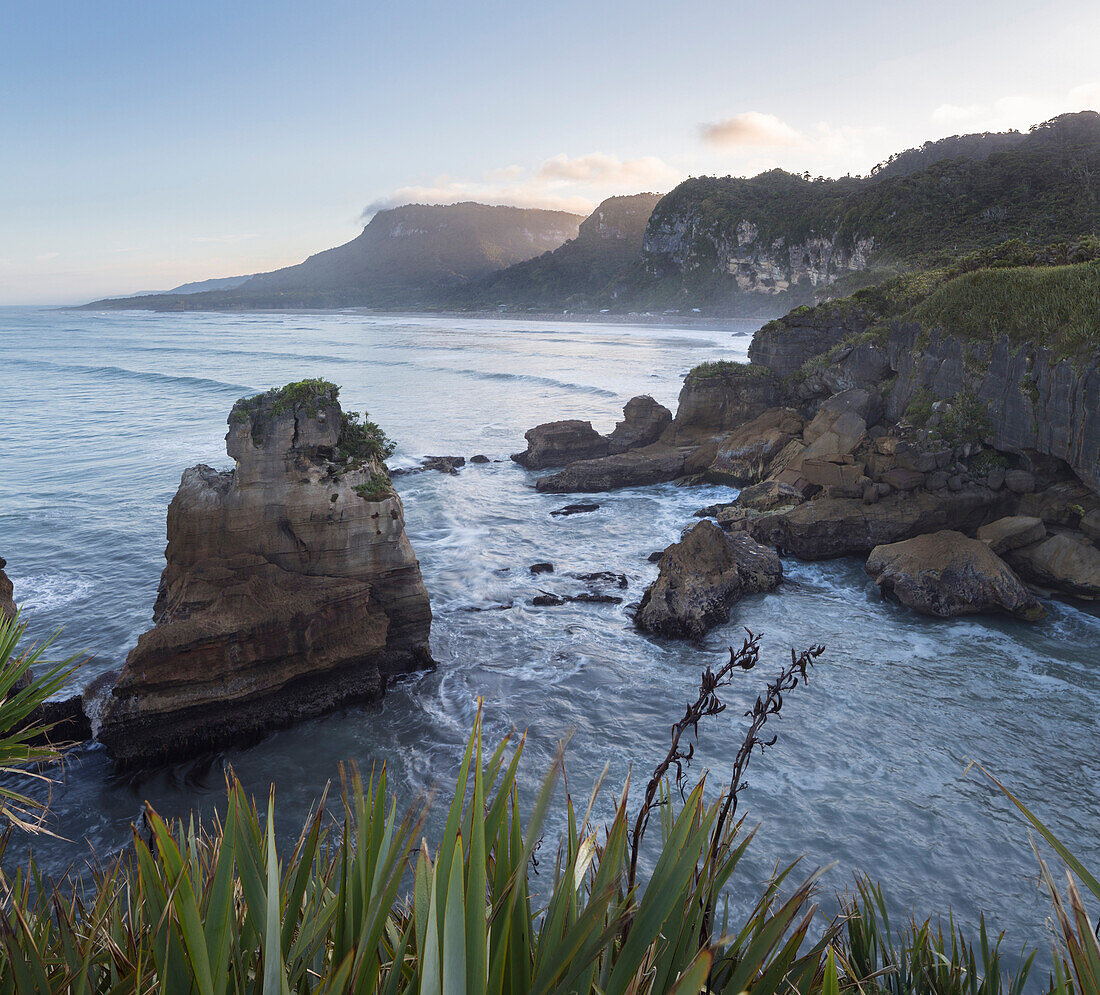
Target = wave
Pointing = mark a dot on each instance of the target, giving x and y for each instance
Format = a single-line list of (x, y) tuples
[(147, 376)]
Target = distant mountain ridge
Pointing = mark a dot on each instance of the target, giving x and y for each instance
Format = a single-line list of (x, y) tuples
[(575, 273), (405, 256), (727, 245)]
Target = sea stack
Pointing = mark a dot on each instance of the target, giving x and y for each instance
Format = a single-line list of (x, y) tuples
[(290, 586)]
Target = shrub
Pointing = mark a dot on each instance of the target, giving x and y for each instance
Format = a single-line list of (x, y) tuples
[(919, 409), (378, 487), (362, 439), (965, 420)]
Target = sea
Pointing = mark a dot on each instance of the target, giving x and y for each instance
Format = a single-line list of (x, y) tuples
[(103, 411)]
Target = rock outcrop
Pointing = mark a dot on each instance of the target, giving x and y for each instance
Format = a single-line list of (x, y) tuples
[(747, 452), (829, 527), (644, 422), (290, 586), (719, 397), (560, 443), (701, 577), (1007, 534), (1036, 402), (945, 574), (651, 465), (1066, 562), (7, 594)]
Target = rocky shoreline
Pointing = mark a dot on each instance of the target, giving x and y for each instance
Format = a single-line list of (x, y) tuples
[(966, 476)]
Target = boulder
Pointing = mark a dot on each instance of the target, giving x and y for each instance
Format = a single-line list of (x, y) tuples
[(768, 494), (1020, 481), (1067, 562), (829, 527), (719, 397), (747, 453), (290, 587), (650, 465), (1007, 534), (7, 594), (559, 443), (701, 577), (945, 574), (867, 404), (1090, 524), (644, 421)]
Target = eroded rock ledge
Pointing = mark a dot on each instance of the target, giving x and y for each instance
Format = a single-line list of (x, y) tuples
[(290, 586)]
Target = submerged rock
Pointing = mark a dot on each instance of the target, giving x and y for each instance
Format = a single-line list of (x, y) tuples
[(945, 574), (574, 509), (290, 586), (701, 577)]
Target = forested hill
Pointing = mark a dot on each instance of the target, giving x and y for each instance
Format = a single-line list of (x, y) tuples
[(576, 273), (405, 256), (715, 239)]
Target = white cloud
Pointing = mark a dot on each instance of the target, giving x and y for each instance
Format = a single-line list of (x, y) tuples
[(560, 183), (1016, 111), (224, 239), (598, 167), (751, 129)]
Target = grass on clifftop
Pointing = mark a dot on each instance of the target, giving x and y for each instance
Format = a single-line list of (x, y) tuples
[(726, 368), (1056, 307)]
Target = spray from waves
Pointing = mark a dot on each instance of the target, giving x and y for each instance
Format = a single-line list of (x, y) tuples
[(43, 591), (145, 376)]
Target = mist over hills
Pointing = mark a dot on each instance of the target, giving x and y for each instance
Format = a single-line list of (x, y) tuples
[(406, 256), (728, 245)]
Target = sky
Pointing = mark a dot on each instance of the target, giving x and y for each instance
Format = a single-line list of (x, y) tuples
[(147, 144)]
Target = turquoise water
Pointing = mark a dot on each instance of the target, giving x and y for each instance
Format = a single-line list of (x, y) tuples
[(103, 411)]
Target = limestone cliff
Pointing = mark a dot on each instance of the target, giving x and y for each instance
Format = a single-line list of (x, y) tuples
[(290, 585)]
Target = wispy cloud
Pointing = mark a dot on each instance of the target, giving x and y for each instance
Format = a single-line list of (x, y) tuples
[(229, 239), (1017, 111), (560, 183), (751, 129)]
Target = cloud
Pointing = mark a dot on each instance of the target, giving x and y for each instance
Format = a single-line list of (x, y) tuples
[(598, 167), (751, 129), (560, 183), (224, 239), (1016, 111), (46, 257)]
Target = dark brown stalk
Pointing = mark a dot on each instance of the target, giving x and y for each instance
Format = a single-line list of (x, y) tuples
[(708, 703)]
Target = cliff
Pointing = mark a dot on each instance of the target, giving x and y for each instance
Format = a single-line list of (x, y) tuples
[(7, 594), (1019, 344), (290, 585), (722, 239)]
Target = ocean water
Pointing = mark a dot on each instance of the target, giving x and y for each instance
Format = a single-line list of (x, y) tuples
[(103, 411)]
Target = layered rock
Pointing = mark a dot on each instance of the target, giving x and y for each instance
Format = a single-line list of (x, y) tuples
[(945, 574), (7, 594), (829, 527), (290, 586), (1066, 562), (1007, 534), (747, 453), (644, 422), (719, 397), (560, 443), (1036, 402), (650, 465), (701, 577)]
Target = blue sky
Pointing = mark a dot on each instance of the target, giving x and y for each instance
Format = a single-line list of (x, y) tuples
[(147, 144)]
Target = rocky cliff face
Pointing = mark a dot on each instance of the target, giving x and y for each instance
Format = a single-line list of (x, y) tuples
[(757, 265), (1036, 403), (290, 586)]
